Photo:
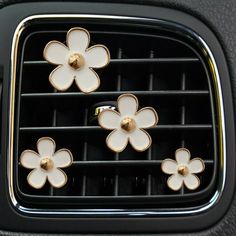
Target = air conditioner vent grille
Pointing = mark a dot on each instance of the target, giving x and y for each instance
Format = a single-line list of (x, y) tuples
[(164, 71)]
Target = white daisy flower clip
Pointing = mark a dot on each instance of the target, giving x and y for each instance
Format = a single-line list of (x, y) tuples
[(76, 61), (128, 124), (183, 170), (46, 164)]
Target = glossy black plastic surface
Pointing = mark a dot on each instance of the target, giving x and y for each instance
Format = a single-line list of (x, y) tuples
[(133, 224)]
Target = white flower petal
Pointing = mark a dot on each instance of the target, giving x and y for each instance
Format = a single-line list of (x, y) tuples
[(140, 140), (146, 117), (97, 56), (29, 159), (191, 181), (169, 166), (62, 158), (62, 77), (182, 156), (196, 165), (56, 52), (37, 178), (46, 147), (127, 104), (78, 40), (57, 178), (175, 182), (87, 80), (109, 119), (117, 140)]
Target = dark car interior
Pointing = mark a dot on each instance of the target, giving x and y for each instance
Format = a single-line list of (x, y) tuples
[(117, 117)]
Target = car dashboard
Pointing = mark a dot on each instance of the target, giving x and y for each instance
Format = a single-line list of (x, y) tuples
[(117, 117)]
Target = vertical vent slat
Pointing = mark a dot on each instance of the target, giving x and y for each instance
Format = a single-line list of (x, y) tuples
[(118, 88), (85, 153), (149, 156), (183, 87)]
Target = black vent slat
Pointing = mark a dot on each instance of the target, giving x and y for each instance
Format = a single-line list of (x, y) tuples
[(130, 61), (97, 128), (118, 88), (84, 155), (117, 93), (121, 163), (54, 124), (183, 87), (116, 185), (158, 67), (149, 154)]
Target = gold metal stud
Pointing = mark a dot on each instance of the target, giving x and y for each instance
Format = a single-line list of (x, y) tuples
[(46, 164), (76, 61), (128, 124), (183, 170)]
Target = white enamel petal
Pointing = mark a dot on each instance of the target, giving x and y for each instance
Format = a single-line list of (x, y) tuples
[(117, 140), (62, 77), (191, 181), (29, 159), (78, 40), (56, 52), (87, 80), (57, 178), (127, 104), (146, 117), (175, 182), (140, 140), (169, 166), (109, 119), (62, 158), (182, 156), (97, 56), (37, 178), (46, 147), (196, 165)]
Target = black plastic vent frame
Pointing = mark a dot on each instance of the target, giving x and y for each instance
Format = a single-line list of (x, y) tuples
[(164, 71)]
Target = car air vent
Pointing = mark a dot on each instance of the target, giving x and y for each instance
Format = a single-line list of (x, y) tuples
[(165, 70)]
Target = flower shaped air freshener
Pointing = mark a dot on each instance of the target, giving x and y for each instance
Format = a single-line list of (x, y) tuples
[(76, 61), (46, 164), (128, 124), (183, 170)]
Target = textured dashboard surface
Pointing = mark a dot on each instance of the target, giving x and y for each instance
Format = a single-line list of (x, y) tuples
[(220, 16)]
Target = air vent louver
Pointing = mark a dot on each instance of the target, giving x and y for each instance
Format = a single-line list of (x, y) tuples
[(164, 71)]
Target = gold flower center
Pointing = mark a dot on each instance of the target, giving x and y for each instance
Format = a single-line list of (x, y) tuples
[(46, 164), (76, 61), (128, 124), (183, 170)]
